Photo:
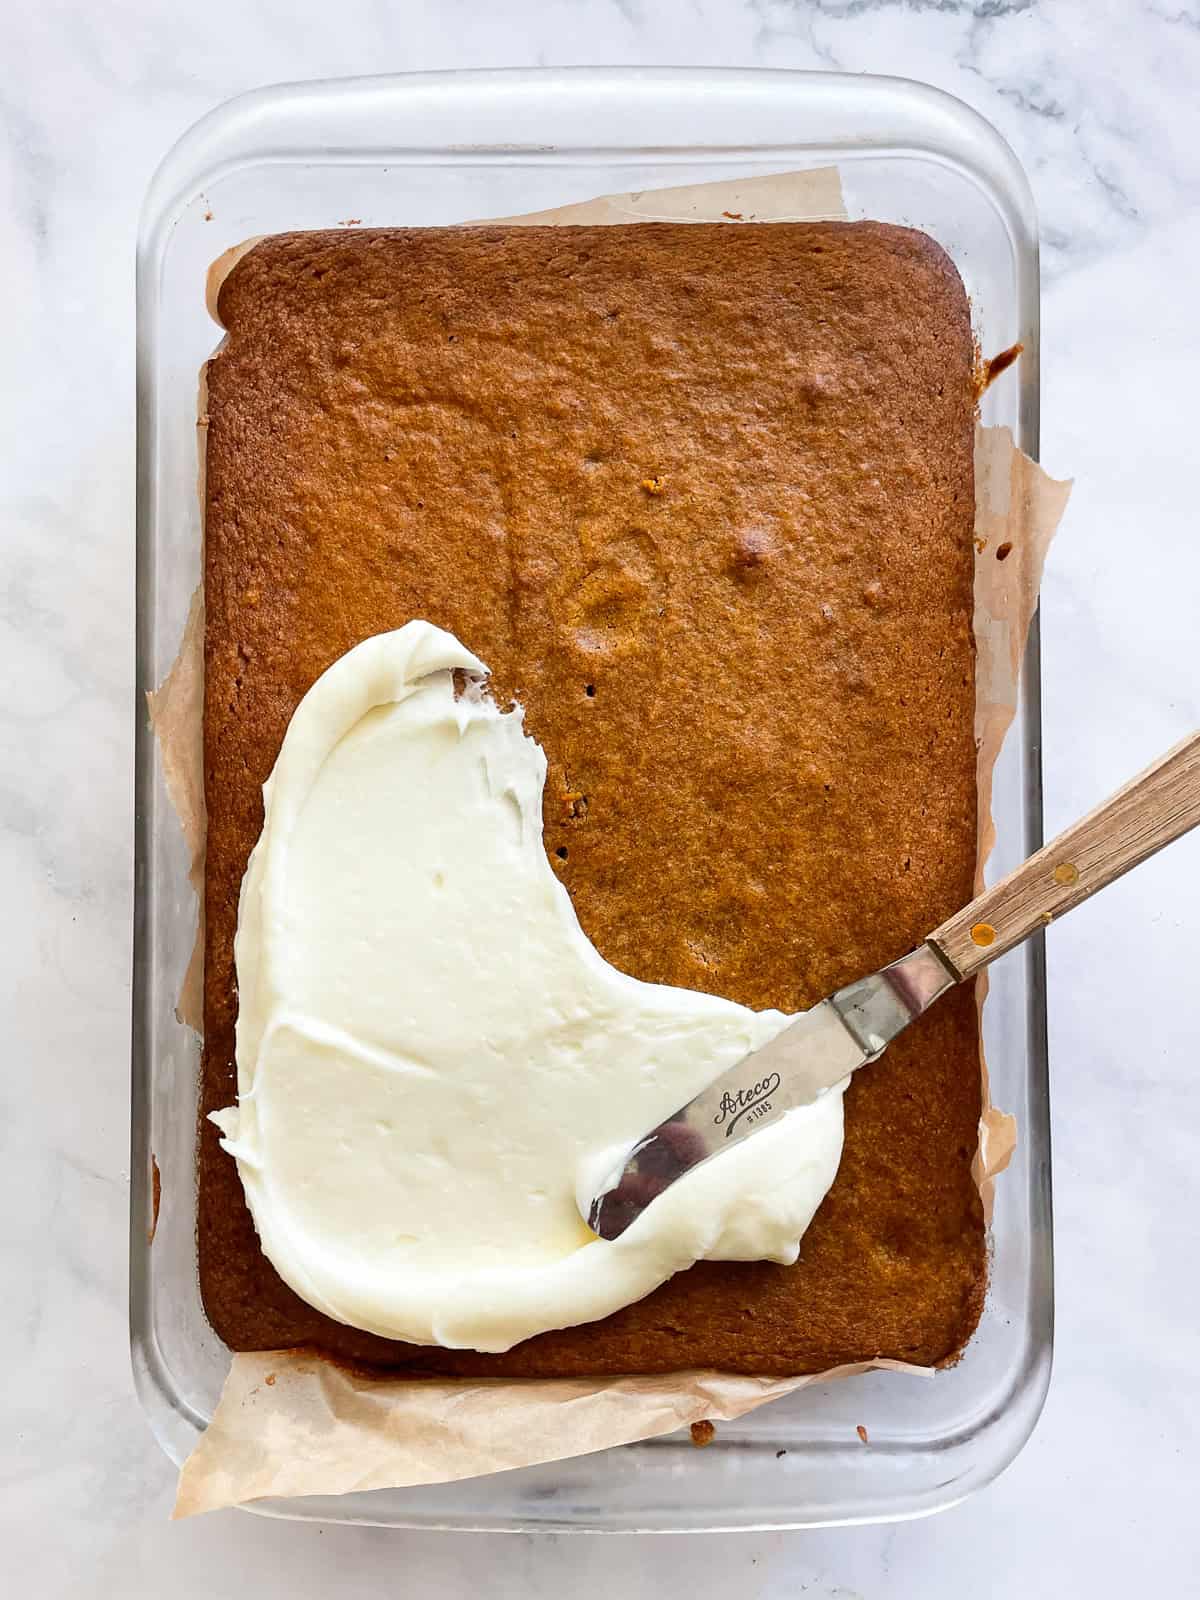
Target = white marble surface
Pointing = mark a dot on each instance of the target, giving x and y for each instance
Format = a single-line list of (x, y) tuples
[(1098, 99)]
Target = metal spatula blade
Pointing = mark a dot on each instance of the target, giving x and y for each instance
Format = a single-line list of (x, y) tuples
[(803, 1062), (856, 1024)]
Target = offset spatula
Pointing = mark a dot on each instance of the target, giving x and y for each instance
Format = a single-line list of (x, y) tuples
[(855, 1025)]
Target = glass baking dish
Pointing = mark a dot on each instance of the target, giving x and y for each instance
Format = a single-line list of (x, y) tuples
[(448, 147)]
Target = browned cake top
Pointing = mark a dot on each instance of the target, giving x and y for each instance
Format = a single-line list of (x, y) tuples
[(702, 498)]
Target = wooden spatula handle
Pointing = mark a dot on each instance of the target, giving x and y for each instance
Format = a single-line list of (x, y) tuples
[(1148, 813)]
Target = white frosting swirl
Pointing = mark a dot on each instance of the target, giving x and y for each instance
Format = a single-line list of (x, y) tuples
[(433, 1060)]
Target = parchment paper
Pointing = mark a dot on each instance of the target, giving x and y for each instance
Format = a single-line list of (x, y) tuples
[(1017, 512), (290, 1423)]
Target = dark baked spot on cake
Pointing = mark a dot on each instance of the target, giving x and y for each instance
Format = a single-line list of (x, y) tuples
[(753, 781), (752, 548), (607, 609), (612, 606), (815, 387)]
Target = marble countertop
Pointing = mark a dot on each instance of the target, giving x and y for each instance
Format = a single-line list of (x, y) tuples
[(1099, 101)]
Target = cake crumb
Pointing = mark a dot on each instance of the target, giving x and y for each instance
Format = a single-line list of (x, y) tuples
[(980, 546), (1000, 363), (208, 216), (873, 594), (779, 1454), (734, 216), (574, 805), (703, 1433), (1003, 551), (155, 1199), (269, 1380), (654, 486), (862, 1433)]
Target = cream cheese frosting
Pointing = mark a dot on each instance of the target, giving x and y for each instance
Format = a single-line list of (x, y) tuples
[(434, 1063)]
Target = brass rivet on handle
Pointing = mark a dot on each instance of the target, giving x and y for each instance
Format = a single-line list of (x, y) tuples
[(1066, 873), (983, 934)]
